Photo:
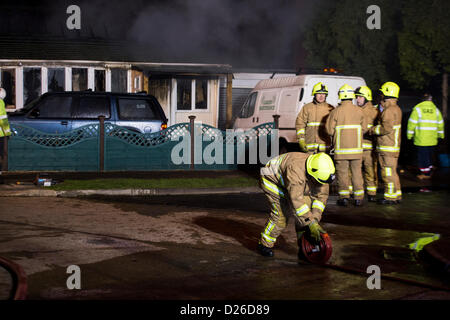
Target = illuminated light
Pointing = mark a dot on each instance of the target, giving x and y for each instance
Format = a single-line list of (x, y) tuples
[(164, 126)]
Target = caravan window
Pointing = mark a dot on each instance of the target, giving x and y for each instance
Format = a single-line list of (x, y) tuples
[(249, 106)]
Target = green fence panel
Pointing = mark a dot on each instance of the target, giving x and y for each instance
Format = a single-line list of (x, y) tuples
[(32, 150), (128, 150), (125, 150)]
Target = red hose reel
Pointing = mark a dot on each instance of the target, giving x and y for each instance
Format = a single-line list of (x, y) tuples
[(317, 253)]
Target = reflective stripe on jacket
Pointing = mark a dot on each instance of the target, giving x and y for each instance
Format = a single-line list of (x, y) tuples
[(347, 124), (388, 131), (4, 123), (371, 113), (425, 124), (310, 126), (286, 177)]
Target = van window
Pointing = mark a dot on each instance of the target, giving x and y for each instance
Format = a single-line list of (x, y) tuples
[(249, 106), (92, 108), (268, 101), (138, 109), (53, 107)]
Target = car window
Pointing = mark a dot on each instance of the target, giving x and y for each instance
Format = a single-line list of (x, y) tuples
[(249, 106), (53, 107), (92, 108), (138, 109)]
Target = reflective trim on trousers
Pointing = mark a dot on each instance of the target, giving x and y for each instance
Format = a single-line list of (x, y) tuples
[(344, 193), (319, 205), (388, 172), (301, 131), (358, 192), (272, 187), (320, 146), (267, 230), (302, 210), (348, 151), (371, 189), (388, 149)]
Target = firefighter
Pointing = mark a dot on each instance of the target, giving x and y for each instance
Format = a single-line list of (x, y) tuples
[(426, 126), (310, 123), (347, 124), (292, 181), (5, 131), (388, 138), (369, 161)]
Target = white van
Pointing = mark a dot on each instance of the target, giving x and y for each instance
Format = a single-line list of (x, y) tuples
[(286, 97)]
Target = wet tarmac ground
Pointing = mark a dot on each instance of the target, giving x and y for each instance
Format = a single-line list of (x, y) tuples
[(204, 247)]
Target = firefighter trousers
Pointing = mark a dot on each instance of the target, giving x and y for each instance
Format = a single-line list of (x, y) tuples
[(281, 211), (391, 180), (343, 167), (369, 165)]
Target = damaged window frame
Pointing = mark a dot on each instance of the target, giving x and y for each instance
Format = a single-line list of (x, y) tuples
[(30, 94), (10, 100), (193, 93)]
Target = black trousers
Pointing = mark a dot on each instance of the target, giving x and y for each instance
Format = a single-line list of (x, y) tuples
[(425, 158)]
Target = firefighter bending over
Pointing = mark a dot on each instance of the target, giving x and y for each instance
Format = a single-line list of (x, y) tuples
[(295, 183)]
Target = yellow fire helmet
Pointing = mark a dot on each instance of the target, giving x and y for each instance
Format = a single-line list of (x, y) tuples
[(346, 92), (319, 88), (390, 89), (321, 167), (364, 91)]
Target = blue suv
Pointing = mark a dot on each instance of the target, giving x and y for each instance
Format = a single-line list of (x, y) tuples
[(60, 112)]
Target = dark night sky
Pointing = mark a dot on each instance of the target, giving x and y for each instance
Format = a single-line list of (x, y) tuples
[(246, 34)]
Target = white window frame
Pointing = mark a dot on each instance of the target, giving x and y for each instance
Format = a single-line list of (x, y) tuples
[(93, 78), (19, 71), (44, 74), (193, 94)]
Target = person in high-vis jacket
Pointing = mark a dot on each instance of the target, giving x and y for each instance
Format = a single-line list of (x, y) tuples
[(388, 138), (426, 125), (5, 130), (295, 183), (310, 123), (346, 125), (369, 161)]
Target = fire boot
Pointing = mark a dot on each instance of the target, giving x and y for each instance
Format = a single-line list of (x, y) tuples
[(342, 202), (265, 251), (372, 198), (386, 201), (358, 203)]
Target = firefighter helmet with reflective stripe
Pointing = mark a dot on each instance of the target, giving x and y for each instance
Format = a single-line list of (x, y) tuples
[(346, 92), (319, 88), (364, 91), (390, 89), (321, 167), (2, 93)]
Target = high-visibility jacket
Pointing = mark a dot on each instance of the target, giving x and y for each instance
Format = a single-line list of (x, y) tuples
[(310, 126), (425, 124), (285, 176), (4, 124), (371, 113), (388, 129), (347, 124)]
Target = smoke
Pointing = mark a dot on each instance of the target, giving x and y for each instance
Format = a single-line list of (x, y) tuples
[(245, 34)]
